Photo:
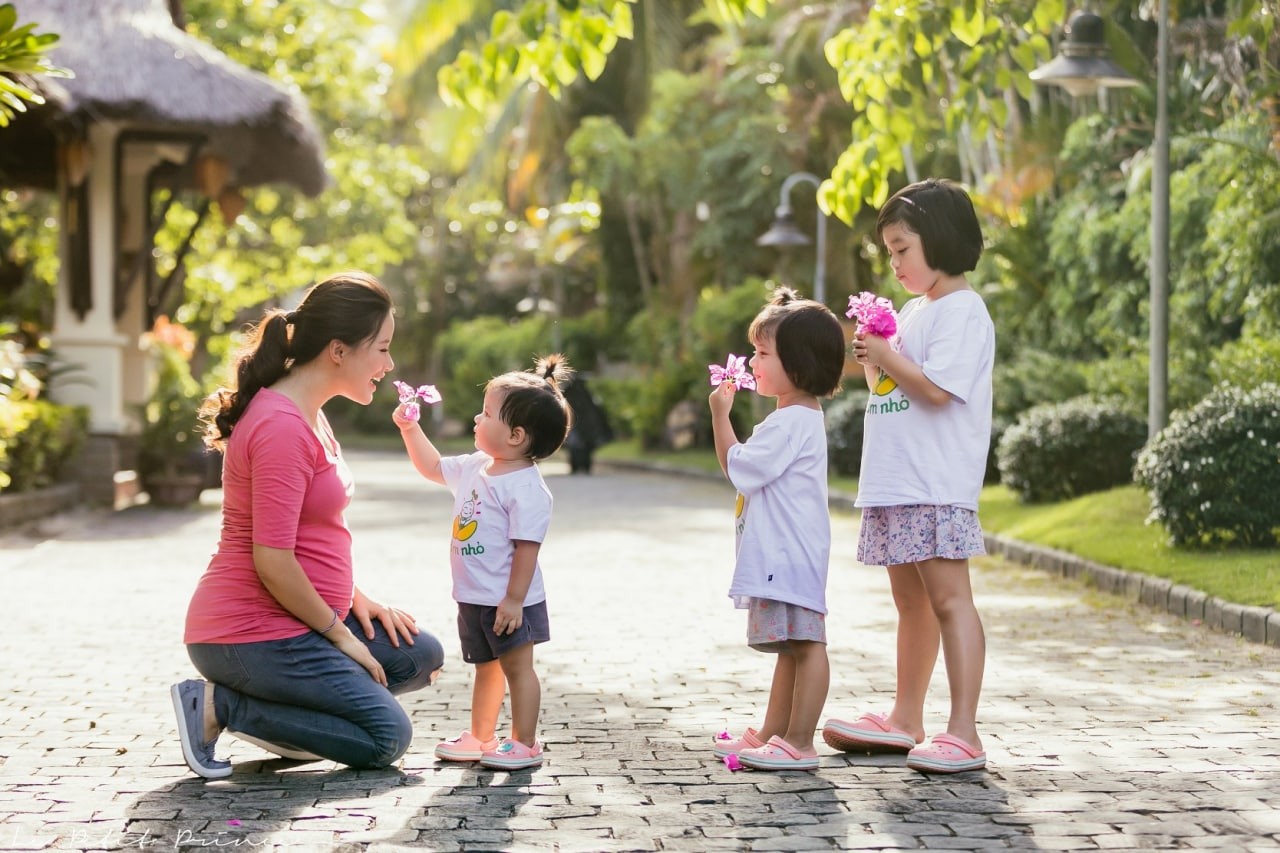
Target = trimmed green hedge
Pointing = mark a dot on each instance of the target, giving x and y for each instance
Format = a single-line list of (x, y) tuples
[(1214, 472), (1060, 450)]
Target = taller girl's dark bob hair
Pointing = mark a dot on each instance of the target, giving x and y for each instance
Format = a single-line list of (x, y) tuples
[(941, 212)]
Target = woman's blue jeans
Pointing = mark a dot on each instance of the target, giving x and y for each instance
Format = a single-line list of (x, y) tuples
[(304, 694)]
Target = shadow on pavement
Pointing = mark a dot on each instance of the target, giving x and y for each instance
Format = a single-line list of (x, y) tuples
[(1106, 726), (263, 803)]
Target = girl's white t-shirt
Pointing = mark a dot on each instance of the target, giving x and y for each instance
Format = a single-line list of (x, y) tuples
[(489, 514), (782, 522), (917, 453)]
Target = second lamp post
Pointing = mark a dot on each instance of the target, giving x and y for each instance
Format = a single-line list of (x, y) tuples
[(784, 233)]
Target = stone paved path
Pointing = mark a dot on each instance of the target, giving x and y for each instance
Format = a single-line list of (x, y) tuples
[(1107, 727)]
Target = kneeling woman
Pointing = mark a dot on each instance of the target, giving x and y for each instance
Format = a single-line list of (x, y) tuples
[(298, 659)]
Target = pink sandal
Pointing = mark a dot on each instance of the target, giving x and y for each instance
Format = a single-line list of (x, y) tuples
[(777, 754), (727, 744), (870, 733), (464, 747), (946, 754)]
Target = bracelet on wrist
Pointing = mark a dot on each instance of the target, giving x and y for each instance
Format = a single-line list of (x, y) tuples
[(329, 627)]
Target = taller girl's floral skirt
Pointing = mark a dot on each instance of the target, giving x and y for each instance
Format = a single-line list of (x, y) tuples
[(894, 535)]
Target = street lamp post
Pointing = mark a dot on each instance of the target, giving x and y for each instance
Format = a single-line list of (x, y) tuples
[(1082, 68), (784, 233), (1158, 397)]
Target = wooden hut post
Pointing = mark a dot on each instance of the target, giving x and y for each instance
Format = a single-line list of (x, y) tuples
[(87, 337)]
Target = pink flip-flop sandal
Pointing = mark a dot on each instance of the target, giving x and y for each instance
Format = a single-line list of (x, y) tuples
[(870, 733), (777, 754), (946, 754), (727, 744)]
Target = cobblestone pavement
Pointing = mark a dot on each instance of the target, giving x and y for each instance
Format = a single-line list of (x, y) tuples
[(1107, 726)]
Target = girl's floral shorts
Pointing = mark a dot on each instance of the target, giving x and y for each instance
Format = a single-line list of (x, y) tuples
[(772, 624), (894, 535)]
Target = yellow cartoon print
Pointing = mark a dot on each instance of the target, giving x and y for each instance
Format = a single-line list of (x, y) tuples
[(465, 523), (884, 384), (737, 509)]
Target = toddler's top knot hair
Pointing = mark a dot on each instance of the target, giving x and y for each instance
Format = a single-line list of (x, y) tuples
[(784, 295), (554, 368)]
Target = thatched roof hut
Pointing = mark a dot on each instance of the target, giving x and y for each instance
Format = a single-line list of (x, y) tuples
[(134, 65)]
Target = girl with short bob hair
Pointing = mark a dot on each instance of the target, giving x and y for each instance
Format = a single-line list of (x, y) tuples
[(926, 434), (782, 526)]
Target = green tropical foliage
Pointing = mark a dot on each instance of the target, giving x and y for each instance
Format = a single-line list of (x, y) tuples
[(283, 240), (22, 51), (592, 174), (928, 79), (552, 43)]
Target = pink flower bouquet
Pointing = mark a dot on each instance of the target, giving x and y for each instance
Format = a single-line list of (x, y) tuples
[(408, 394), (734, 372), (875, 315)]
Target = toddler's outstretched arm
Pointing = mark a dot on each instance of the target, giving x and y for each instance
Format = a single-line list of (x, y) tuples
[(422, 453), (721, 401)]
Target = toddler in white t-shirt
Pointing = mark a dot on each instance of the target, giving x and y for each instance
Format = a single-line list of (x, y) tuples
[(502, 510), (782, 525)]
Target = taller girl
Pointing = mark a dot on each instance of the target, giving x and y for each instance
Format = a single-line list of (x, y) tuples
[(926, 435)]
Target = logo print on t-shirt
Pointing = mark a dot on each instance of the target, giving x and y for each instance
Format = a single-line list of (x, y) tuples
[(465, 522), (884, 384)]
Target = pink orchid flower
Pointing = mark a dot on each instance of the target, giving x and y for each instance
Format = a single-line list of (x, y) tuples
[(734, 372), (410, 396), (875, 315), (731, 761)]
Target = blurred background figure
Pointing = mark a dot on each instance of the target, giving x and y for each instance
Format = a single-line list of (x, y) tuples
[(590, 425)]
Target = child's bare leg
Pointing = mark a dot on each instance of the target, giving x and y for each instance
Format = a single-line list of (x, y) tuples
[(812, 677), (964, 645), (526, 693), (918, 641), (486, 699), (777, 715)]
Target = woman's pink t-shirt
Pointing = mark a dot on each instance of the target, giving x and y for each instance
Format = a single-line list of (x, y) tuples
[(281, 489)]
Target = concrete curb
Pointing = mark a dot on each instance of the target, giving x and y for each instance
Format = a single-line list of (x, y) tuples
[(1256, 624), (21, 507)]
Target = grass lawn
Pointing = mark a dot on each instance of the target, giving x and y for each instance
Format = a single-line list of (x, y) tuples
[(1107, 527), (1110, 528)]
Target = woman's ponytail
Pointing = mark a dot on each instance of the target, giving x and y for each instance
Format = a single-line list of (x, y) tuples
[(262, 361)]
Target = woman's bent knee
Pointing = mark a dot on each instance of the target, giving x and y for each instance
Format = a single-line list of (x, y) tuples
[(429, 652), (392, 739), (412, 667)]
